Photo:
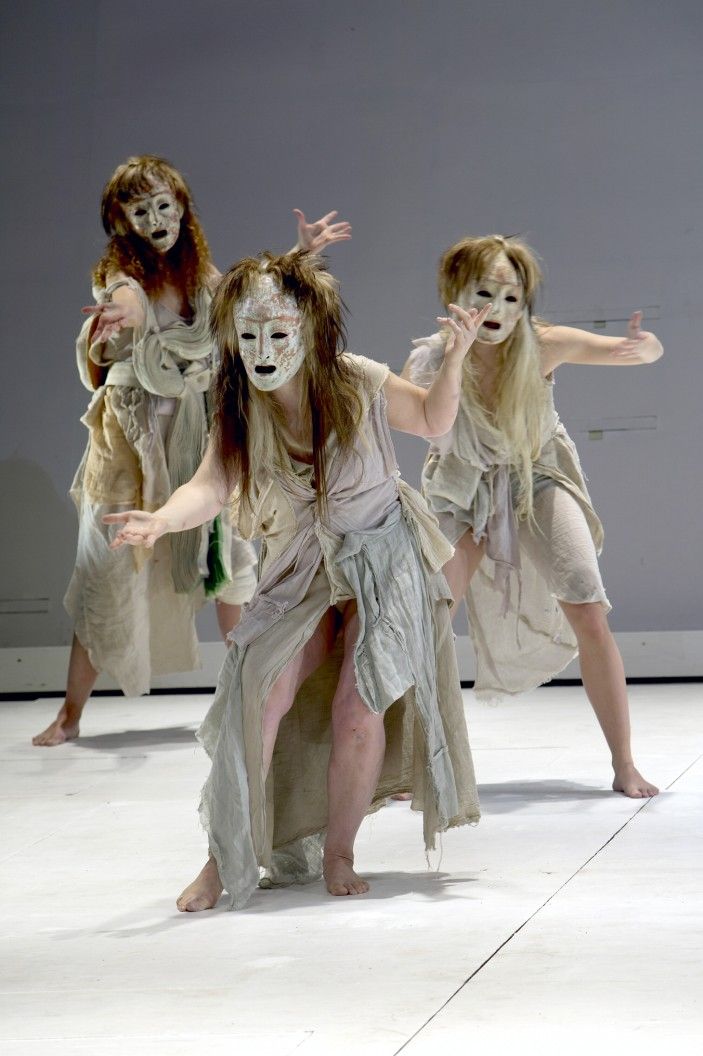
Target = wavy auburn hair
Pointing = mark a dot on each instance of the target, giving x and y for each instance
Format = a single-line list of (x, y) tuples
[(187, 265), (519, 399), (247, 423)]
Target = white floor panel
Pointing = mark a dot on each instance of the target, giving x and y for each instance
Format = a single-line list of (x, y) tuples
[(99, 836)]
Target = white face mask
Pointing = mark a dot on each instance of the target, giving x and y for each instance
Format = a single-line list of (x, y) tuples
[(156, 217), (269, 326), (502, 287)]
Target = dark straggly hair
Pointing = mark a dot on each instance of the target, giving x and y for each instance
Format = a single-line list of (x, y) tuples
[(329, 392), (187, 265)]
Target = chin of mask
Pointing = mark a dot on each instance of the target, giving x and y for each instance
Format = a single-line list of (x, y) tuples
[(501, 286), (156, 218), (269, 328)]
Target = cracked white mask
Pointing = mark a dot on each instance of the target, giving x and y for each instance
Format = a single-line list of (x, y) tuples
[(269, 327), (156, 217), (502, 287)]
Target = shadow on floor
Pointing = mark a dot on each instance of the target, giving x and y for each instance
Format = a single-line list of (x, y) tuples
[(163, 915), (163, 737), (505, 796)]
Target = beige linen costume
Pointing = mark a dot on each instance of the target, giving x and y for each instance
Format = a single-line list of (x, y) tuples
[(133, 611), (378, 544), (520, 634)]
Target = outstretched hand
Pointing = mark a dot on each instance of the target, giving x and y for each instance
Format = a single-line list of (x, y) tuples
[(110, 319), (463, 327), (139, 528), (640, 346), (322, 233)]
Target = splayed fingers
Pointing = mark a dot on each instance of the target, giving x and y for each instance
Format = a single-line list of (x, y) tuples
[(321, 233), (109, 319), (139, 528), (463, 325)]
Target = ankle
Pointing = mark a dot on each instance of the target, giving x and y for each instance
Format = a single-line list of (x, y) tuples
[(347, 857), (623, 764)]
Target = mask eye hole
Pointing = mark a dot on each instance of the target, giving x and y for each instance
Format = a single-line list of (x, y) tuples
[(246, 337), (482, 293), (164, 205), (140, 212), (513, 300), (279, 335)]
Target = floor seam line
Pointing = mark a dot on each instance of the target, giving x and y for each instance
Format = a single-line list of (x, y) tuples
[(539, 909)]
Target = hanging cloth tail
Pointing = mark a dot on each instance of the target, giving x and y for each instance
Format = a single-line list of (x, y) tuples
[(185, 449), (217, 576)]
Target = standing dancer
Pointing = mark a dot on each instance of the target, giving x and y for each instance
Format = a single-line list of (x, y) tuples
[(342, 674), (147, 354), (506, 486)]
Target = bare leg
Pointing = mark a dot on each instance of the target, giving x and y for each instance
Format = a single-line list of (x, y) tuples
[(81, 679), (358, 745), (604, 681), (205, 890), (227, 617), (461, 566), (458, 572)]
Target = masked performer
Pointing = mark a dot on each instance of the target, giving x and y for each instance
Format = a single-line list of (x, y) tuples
[(341, 687), (506, 485), (147, 354)]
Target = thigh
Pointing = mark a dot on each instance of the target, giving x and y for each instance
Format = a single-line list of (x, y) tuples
[(348, 705), (462, 564), (304, 663), (561, 547)]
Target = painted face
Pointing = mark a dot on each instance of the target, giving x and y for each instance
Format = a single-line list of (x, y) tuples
[(156, 217), (269, 326), (501, 285)]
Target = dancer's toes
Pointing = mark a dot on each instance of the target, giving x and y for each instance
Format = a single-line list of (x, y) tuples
[(340, 877), (63, 728), (204, 892), (630, 782)]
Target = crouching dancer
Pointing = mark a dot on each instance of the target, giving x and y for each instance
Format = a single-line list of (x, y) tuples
[(341, 687)]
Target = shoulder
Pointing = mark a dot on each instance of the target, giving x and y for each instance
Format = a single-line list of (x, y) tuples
[(372, 374)]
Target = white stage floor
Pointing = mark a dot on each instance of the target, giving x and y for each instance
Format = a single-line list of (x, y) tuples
[(569, 918)]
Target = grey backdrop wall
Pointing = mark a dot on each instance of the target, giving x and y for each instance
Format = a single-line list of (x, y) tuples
[(575, 124)]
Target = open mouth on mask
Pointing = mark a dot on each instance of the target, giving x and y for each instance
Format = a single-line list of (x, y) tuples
[(158, 235), (491, 325), (267, 368)]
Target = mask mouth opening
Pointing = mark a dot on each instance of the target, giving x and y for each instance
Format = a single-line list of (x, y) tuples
[(268, 368), (490, 324), (158, 235)]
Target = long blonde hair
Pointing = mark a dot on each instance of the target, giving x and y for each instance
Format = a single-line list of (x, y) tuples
[(519, 399), (248, 423)]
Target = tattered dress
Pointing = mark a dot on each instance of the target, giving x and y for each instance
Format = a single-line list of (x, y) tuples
[(520, 635), (133, 609), (379, 545)]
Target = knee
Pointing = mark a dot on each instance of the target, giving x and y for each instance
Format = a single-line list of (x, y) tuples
[(354, 724), (589, 621)]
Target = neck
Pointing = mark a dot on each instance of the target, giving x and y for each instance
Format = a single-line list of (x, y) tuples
[(288, 397), (484, 353)]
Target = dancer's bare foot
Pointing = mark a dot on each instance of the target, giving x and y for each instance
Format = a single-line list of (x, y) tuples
[(630, 782), (340, 877), (204, 892), (63, 728)]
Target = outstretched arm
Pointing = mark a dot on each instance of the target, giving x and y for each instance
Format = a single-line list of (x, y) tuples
[(315, 237), (567, 344), (431, 412), (194, 503), (123, 311)]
